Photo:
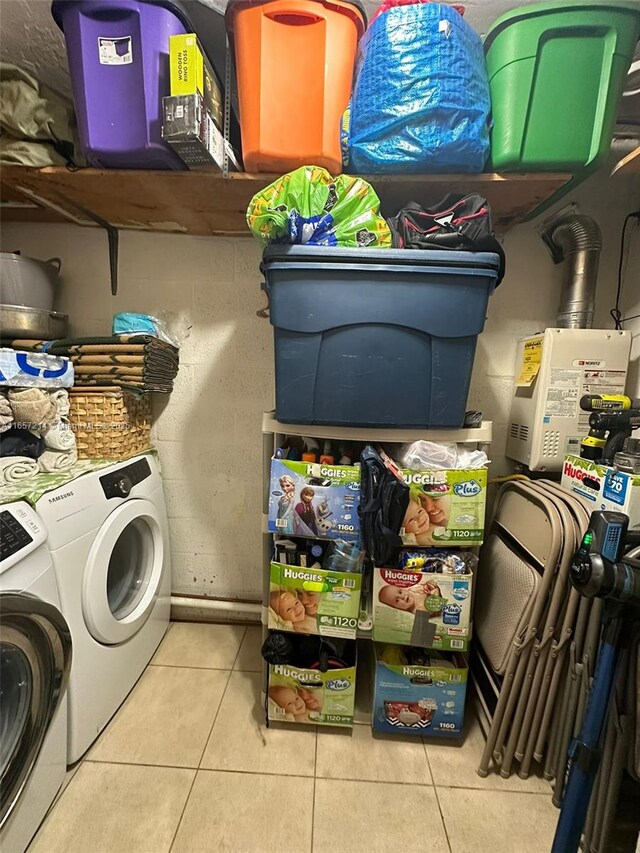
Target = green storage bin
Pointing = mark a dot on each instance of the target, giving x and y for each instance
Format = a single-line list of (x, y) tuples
[(556, 72)]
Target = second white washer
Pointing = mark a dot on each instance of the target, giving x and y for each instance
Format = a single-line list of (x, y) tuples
[(109, 541)]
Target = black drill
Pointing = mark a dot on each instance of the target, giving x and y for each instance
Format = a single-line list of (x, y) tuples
[(607, 433)]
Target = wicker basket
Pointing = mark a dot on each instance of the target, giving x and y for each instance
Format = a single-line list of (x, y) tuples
[(110, 423)]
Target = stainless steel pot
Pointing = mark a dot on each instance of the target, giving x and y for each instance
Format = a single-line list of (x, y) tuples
[(28, 281), (17, 321)]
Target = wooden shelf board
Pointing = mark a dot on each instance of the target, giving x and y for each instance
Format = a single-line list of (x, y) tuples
[(205, 203)]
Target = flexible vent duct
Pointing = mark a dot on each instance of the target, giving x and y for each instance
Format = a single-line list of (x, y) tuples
[(578, 240)]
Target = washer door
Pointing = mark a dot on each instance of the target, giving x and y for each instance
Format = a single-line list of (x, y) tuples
[(123, 572), (35, 658)]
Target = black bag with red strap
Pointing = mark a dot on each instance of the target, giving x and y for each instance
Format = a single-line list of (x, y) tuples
[(457, 223)]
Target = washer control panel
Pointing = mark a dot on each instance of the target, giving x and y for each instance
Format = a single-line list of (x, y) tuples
[(21, 531), (118, 484)]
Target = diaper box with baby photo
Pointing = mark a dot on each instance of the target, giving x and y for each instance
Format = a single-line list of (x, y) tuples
[(419, 692), (314, 601), (423, 606), (446, 508), (314, 500), (312, 697)]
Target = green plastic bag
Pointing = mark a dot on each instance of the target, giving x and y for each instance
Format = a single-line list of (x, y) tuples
[(309, 206)]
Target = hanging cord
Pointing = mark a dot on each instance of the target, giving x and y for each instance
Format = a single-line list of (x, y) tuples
[(615, 312)]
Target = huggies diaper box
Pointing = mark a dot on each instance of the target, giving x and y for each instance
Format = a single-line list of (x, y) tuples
[(603, 486), (311, 697), (423, 608), (446, 508), (420, 693), (314, 500), (314, 601)]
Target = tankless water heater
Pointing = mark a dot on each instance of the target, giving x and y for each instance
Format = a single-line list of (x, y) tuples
[(553, 370)]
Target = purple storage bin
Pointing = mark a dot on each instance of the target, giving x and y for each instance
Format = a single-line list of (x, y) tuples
[(118, 52)]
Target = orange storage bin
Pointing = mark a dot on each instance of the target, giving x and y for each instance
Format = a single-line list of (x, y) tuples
[(294, 65)]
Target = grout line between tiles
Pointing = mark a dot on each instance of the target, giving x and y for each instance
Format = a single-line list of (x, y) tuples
[(300, 776), (184, 808), (429, 770), (141, 764), (207, 769), (252, 773), (243, 638), (435, 789), (206, 743), (215, 717), (375, 781), (499, 791)]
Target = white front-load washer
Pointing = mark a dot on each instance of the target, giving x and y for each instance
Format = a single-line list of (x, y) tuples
[(35, 658), (109, 541)]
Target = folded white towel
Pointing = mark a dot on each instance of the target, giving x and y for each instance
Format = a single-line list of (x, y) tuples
[(57, 460), (60, 436), (16, 468), (61, 398), (6, 414)]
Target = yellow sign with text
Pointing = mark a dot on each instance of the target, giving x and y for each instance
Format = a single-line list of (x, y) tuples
[(531, 362)]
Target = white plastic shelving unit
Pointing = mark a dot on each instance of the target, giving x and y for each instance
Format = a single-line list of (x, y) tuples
[(273, 433)]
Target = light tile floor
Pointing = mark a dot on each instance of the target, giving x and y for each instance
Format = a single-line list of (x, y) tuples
[(187, 766)]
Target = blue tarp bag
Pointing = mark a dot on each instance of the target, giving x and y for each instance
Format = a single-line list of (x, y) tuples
[(421, 97)]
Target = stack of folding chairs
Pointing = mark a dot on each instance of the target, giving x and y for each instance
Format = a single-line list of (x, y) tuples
[(535, 650)]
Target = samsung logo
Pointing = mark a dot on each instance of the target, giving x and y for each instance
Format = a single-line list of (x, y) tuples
[(61, 497)]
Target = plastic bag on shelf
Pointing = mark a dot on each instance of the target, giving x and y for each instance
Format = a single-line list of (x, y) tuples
[(309, 206), (166, 326), (421, 100), (429, 456)]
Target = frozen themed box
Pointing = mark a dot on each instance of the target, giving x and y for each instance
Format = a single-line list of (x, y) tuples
[(314, 500)]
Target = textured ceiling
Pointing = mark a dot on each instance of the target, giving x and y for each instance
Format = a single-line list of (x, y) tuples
[(29, 37)]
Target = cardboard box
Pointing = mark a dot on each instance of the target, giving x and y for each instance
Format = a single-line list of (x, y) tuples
[(420, 700), (603, 486), (190, 73), (447, 508), (314, 600), (313, 500), (418, 608), (311, 697), (189, 129)]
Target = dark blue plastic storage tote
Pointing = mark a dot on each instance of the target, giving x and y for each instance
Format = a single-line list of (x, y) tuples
[(381, 337)]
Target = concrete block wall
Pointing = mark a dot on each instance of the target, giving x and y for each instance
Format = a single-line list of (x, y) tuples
[(208, 431)]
